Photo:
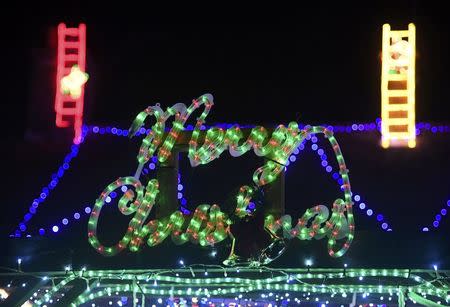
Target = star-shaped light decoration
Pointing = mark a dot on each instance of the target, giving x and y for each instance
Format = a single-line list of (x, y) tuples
[(72, 83)]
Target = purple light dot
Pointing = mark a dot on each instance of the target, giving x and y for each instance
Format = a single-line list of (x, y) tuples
[(354, 127), (296, 151), (35, 204), (287, 164), (87, 210), (369, 212), (444, 211), (323, 157), (76, 216), (436, 224), (379, 217), (425, 229), (357, 197), (335, 176), (417, 131), (142, 130), (360, 127), (108, 199), (65, 221), (314, 139), (384, 226), (151, 166), (53, 183), (125, 132), (362, 206), (43, 195), (448, 202), (320, 152), (180, 195), (113, 194), (114, 130), (66, 166), (32, 210), (119, 131), (324, 163), (438, 217), (183, 201), (55, 228), (124, 189), (314, 147), (95, 129), (340, 181), (329, 169), (434, 129), (41, 231), (301, 147), (292, 158), (23, 227), (27, 217), (180, 187)]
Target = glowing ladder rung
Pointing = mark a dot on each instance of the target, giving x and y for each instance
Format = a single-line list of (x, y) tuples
[(71, 45), (398, 107), (398, 77), (72, 31), (68, 111), (402, 33), (399, 135), (398, 121), (397, 93), (71, 57)]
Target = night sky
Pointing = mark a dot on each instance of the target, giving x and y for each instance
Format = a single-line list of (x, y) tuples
[(313, 64), (309, 64)]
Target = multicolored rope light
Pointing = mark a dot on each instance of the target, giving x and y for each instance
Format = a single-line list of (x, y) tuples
[(209, 225)]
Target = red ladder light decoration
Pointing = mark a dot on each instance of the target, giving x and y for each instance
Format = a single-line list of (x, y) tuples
[(69, 101)]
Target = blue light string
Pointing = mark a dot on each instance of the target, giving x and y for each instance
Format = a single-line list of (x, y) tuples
[(356, 127), (438, 217), (329, 169), (46, 190)]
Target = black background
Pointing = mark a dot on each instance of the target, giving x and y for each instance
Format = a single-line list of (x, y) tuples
[(312, 64)]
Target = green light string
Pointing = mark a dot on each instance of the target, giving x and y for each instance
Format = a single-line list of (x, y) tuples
[(209, 225), (338, 226), (333, 289), (232, 285), (55, 289), (423, 301)]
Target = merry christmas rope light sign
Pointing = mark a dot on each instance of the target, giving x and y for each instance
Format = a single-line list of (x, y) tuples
[(209, 225)]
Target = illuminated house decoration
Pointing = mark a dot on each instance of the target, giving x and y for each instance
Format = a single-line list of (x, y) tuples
[(70, 78), (209, 225), (398, 87), (72, 84)]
